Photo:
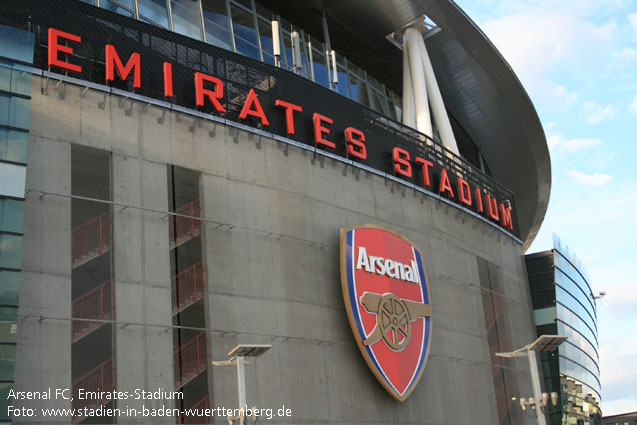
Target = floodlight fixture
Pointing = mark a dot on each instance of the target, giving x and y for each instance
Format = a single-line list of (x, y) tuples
[(543, 343), (547, 343), (237, 358), (248, 350)]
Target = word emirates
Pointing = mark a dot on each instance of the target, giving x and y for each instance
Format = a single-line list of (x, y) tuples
[(355, 139)]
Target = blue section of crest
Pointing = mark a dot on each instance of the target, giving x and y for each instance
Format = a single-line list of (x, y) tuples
[(424, 284), (425, 294)]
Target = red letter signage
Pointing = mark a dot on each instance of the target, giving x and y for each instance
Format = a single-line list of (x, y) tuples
[(319, 130), (289, 113), (425, 165), (168, 79), (55, 49), (464, 193), (492, 208), (123, 71), (401, 162), (253, 101), (505, 217), (212, 95), (355, 140), (445, 184)]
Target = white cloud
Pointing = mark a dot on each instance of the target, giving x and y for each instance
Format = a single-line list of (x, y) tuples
[(632, 107), (632, 19), (533, 40), (626, 53), (595, 179), (558, 142), (595, 114), (563, 95)]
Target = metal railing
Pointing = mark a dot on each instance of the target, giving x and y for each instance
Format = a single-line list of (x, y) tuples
[(91, 239), (182, 226), (100, 378), (94, 304), (187, 287), (193, 419), (190, 360)]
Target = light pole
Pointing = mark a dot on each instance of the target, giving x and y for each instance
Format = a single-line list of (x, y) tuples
[(237, 357), (543, 343)]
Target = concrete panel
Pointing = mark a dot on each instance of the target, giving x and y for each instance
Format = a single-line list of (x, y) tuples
[(43, 351), (55, 110), (274, 277)]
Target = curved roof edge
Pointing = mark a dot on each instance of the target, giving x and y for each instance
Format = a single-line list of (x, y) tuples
[(495, 109), (479, 87)]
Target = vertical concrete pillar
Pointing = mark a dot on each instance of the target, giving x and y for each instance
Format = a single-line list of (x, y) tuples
[(43, 352), (143, 353)]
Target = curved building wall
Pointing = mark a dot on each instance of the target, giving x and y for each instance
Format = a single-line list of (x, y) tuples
[(564, 305), (269, 246)]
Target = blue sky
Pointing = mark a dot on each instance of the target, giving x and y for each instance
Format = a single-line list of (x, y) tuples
[(577, 60)]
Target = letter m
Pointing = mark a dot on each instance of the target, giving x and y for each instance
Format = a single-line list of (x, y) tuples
[(133, 64), (505, 217)]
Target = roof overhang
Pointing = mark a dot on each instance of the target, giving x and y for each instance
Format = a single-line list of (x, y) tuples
[(478, 86)]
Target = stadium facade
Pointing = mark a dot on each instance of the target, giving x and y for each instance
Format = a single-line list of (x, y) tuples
[(175, 180), (564, 304)]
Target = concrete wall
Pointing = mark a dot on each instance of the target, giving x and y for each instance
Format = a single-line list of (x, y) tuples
[(271, 258)]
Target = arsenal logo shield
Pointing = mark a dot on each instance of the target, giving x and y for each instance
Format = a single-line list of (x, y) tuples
[(388, 306)]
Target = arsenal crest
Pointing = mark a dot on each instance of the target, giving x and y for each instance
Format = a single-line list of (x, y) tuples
[(388, 306)]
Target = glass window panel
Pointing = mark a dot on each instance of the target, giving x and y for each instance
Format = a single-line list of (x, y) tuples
[(359, 89), (5, 76), (122, 7), (267, 46), (186, 17), (154, 11), (343, 86), (245, 3), (320, 68), (8, 324), (11, 215), (16, 44), (377, 102), (10, 251), (5, 400), (12, 179), (14, 111), (20, 80), (287, 50), (216, 23), (245, 36), (13, 145), (9, 287), (7, 360)]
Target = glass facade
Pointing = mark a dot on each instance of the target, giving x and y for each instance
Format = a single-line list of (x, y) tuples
[(16, 54), (564, 304), (246, 28)]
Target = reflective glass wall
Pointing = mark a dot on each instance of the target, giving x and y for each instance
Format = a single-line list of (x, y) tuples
[(16, 55), (564, 304), (245, 27)]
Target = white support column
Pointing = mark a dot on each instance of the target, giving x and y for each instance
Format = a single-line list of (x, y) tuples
[(409, 113), (435, 100), (241, 382), (537, 389), (419, 87)]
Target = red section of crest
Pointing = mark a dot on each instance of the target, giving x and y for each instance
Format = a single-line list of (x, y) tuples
[(398, 367)]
